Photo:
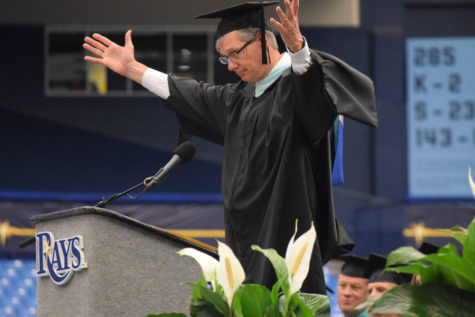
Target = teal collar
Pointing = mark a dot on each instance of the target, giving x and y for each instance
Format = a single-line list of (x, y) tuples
[(275, 73)]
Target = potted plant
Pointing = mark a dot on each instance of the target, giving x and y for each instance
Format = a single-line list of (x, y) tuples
[(447, 278), (221, 291)]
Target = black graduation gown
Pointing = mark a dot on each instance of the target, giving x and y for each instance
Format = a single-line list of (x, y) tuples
[(276, 158)]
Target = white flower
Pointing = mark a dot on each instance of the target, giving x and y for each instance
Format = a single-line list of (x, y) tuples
[(208, 264), (230, 273), (470, 180), (297, 257)]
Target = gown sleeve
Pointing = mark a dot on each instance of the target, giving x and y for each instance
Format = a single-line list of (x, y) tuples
[(200, 107), (312, 105), (349, 90), (330, 87)]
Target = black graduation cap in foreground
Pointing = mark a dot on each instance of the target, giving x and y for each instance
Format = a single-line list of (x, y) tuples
[(354, 266), (249, 14), (428, 248), (376, 265)]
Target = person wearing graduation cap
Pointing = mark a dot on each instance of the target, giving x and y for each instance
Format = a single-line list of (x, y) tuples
[(353, 285), (276, 127), (381, 281)]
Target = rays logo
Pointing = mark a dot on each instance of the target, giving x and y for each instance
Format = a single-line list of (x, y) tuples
[(59, 258)]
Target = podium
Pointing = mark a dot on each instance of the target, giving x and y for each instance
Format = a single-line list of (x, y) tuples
[(115, 265)]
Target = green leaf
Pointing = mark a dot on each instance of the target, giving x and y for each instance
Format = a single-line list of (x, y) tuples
[(203, 308), (414, 268), (457, 229), (279, 265), (454, 270), (469, 246), (273, 311), (219, 290), (318, 304), (461, 238), (275, 293), (293, 305), (255, 300), (236, 305), (448, 276), (202, 282), (215, 299), (458, 233), (430, 274), (308, 305), (404, 255), (426, 300), (304, 311)]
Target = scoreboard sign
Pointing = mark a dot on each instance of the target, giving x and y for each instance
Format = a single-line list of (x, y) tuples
[(440, 116)]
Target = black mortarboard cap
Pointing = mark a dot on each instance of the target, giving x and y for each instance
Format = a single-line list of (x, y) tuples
[(428, 248), (249, 14), (376, 265), (354, 266)]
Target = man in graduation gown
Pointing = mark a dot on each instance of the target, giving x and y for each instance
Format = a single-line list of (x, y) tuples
[(353, 285), (276, 127)]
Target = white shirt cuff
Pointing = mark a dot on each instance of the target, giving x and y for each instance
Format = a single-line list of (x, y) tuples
[(156, 82), (300, 60)]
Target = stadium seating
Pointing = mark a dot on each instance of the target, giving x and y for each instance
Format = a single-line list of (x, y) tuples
[(17, 287)]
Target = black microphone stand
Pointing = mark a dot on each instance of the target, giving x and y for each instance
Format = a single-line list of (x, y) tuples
[(105, 201), (147, 182)]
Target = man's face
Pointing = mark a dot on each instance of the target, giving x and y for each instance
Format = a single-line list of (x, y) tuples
[(352, 291), (379, 288), (248, 63)]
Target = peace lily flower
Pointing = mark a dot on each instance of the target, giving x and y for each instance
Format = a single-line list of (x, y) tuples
[(230, 273), (470, 180), (297, 257), (207, 263)]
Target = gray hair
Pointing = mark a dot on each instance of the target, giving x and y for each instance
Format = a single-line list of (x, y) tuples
[(248, 34)]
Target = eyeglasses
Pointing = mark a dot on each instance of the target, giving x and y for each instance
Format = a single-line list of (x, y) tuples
[(225, 59)]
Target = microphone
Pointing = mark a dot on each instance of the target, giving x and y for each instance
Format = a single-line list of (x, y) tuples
[(182, 154)]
